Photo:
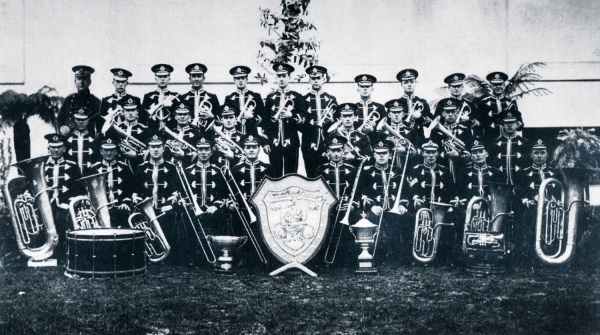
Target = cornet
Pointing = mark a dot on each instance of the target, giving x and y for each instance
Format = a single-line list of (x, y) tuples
[(327, 114), (204, 108), (371, 121), (248, 106)]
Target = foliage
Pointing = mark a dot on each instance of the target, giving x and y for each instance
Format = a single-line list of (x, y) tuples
[(288, 46), (578, 149)]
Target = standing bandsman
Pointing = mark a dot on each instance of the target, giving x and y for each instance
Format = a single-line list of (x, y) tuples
[(250, 172), (181, 136), (476, 178), (228, 140), (358, 144), (132, 131), (249, 104), (83, 98), (397, 111), (493, 107), (110, 106), (467, 113), (80, 144), (120, 182), (160, 98), (454, 152), (201, 104), (284, 115), (366, 106), (419, 114), (509, 150), (317, 104)]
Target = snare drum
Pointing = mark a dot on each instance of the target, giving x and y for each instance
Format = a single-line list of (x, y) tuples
[(106, 253)]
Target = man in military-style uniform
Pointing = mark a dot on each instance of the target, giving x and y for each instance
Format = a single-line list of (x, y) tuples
[(120, 182), (249, 103), (467, 113), (284, 115), (83, 98), (454, 154), (419, 114), (477, 177), (397, 112), (366, 106), (132, 132), (317, 103), (81, 146), (358, 144), (250, 172), (509, 151), (202, 104), (181, 136), (159, 99), (228, 139), (61, 179), (111, 106), (493, 107)]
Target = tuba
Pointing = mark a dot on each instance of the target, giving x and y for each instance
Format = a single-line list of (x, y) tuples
[(31, 205), (89, 212), (157, 246), (426, 235), (555, 241)]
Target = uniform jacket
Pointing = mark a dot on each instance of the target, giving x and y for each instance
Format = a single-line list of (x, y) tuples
[(249, 175), (509, 155), (81, 149), (530, 178), (316, 103), (475, 181), (120, 182), (340, 177), (61, 176), (79, 99), (373, 184), (162, 187), (491, 113), (151, 101), (283, 132), (208, 184), (111, 102), (235, 99), (192, 99), (430, 182)]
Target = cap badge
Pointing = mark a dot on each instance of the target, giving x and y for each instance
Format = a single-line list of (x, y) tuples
[(250, 138), (129, 101), (182, 106), (55, 138), (109, 141), (380, 144), (202, 140), (475, 142), (455, 77), (407, 73), (449, 103), (280, 67), (497, 76), (196, 67), (315, 70), (239, 70), (508, 114), (226, 108), (81, 111), (396, 104), (162, 68), (347, 107), (334, 141), (120, 73), (539, 142), (364, 77)]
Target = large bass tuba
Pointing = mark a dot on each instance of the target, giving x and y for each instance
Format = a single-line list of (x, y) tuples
[(157, 246), (426, 235), (91, 211), (29, 203), (555, 240)]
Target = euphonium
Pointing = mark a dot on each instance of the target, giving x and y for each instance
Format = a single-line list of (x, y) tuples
[(31, 204), (426, 235), (551, 244), (96, 188), (157, 246), (371, 121)]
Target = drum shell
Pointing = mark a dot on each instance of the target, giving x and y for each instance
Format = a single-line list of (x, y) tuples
[(106, 253)]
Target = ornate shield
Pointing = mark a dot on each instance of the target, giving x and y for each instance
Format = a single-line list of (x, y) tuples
[(293, 213)]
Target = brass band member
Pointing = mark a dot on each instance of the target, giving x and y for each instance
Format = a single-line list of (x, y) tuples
[(284, 114), (419, 113), (83, 98), (493, 107), (228, 154), (317, 102), (201, 103), (467, 113), (453, 155), (183, 132), (250, 172), (161, 98), (134, 129), (109, 106), (358, 144), (250, 104), (377, 190), (397, 113), (61, 175), (476, 178), (509, 150), (366, 106), (80, 144), (120, 182)]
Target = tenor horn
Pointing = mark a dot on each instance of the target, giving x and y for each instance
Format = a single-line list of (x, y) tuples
[(157, 246), (555, 240), (36, 240), (426, 235)]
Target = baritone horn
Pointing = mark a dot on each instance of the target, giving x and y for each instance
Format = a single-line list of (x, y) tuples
[(426, 235), (555, 240), (157, 246), (30, 211)]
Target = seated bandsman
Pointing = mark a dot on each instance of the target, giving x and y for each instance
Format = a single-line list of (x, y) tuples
[(317, 104), (476, 177), (201, 104), (60, 176), (397, 112), (111, 106), (377, 190), (160, 98), (228, 140), (358, 144), (367, 107), (455, 142), (493, 107), (509, 151), (467, 113), (209, 188), (132, 132), (80, 145), (181, 136), (120, 182), (250, 104), (419, 114), (250, 172)]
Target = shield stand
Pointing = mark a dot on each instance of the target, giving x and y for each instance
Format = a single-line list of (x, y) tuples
[(293, 265)]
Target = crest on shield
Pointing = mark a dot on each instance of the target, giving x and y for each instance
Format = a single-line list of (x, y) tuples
[(293, 213)]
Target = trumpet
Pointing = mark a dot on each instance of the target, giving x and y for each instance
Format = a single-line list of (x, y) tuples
[(204, 107), (462, 113), (157, 246), (327, 114), (31, 205), (284, 107), (370, 121), (435, 124), (414, 110)]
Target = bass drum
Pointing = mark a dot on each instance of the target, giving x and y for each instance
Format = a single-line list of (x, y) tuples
[(106, 253)]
